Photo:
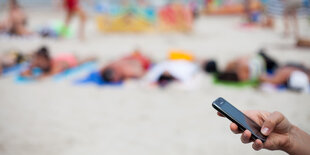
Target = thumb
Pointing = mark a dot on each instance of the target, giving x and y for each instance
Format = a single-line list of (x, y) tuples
[(271, 122)]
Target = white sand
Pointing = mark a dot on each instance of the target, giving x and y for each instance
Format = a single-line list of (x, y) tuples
[(49, 118)]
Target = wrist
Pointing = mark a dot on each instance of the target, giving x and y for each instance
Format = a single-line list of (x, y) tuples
[(298, 141), (290, 144)]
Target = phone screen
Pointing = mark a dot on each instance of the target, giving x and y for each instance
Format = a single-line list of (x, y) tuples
[(238, 117)]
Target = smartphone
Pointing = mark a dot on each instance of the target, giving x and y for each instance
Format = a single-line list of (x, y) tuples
[(236, 116)]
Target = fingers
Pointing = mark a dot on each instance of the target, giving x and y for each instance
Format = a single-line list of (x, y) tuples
[(219, 114), (234, 128), (246, 137), (257, 145), (271, 122)]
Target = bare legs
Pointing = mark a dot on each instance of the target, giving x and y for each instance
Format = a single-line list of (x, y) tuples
[(286, 25), (296, 26), (291, 17), (82, 17)]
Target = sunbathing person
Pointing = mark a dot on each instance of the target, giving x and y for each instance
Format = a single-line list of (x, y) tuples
[(293, 76), (248, 68), (11, 59), (166, 72), (303, 42), (50, 66), (16, 22), (130, 67), (181, 67)]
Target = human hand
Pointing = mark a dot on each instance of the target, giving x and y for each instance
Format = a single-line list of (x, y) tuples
[(274, 125)]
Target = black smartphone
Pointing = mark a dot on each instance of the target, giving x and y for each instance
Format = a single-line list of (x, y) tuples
[(236, 116)]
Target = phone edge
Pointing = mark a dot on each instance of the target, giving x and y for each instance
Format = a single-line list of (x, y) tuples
[(241, 127)]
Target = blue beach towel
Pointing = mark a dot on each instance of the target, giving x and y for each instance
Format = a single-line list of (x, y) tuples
[(22, 80), (14, 69), (74, 71), (95, 78)]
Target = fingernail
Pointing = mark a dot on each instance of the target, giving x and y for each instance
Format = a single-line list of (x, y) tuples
[(265, 130), (245, 136), (256, 147), (255, 143)]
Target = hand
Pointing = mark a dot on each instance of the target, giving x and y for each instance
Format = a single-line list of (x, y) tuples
[(274, 125)]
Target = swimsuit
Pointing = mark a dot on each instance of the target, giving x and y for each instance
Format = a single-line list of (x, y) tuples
[(71, 5), (68, 59), (143, 60), (256, 67)]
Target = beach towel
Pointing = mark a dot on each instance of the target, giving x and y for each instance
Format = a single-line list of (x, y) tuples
[(14, 69), (58, 77), (235, 84), (95, 78), (22, 80), (74, 71)]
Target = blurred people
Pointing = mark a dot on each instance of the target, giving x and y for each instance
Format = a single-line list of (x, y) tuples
[(11, 59), (180, 67), (133, 66), (166, 72), (50, 66), (282, 135), (16, 22), (294, 76), (194, 8), (209, 66), (303, 42), (175, 17), (267, 20), (248, 68), (290, 15), (256, 13), (248, 10), (72, 8)]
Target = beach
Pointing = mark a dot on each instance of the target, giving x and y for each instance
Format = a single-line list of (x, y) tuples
[(61, 118)]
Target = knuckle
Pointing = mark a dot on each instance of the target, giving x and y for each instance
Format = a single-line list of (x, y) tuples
[(271, 122), (279, 114)]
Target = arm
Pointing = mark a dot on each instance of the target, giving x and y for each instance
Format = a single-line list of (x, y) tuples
[(280, 77), (282, 135), (299, 142)]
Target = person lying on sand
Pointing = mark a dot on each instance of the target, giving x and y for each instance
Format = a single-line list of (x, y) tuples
[(16, 22), (166, 72), (51, 66), (11, 59), (303, 42), (133, 66), (248, 68), (294, 76), (181, 67)]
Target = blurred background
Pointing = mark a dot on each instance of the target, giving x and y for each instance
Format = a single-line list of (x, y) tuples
[(139, 76)]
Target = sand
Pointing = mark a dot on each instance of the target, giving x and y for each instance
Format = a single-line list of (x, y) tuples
[(59, 118)]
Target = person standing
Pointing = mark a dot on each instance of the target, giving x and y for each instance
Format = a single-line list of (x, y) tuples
[(290, 15), (73, 8)]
